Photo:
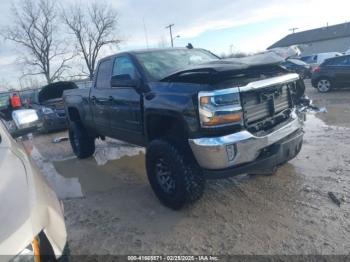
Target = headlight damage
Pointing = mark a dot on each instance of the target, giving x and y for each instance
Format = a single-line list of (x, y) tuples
[(219, 108), (47, 110)]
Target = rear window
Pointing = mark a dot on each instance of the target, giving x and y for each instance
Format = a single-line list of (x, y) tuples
[(297, 62), (337, 61), (309, 59), (4, 101), (104, 74)]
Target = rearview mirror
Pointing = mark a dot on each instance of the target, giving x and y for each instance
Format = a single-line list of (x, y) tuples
[(26, 121), (123, 81)]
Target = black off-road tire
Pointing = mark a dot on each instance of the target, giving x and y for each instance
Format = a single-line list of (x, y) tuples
[(82, 143), (187, 175)]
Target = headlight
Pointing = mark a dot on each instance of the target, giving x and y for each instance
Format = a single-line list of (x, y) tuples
[(47, 110), (221, 107)]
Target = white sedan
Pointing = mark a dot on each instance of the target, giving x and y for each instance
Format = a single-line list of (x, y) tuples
[(31, 216)]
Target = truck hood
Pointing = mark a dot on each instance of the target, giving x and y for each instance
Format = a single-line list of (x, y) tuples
[(269, 61), (265, 61), (54, 91), (29, 205)]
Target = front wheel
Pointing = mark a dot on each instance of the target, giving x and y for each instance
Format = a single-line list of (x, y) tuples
[(82, 143), (174, 175), (324, 85)]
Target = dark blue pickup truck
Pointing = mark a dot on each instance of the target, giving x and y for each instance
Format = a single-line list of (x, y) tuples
[(198, 116)]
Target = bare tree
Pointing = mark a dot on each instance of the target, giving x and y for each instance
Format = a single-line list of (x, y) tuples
[(94, 27), (34, 27)]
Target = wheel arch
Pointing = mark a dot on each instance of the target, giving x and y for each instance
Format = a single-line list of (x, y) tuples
[(73, 114), (158, 125)]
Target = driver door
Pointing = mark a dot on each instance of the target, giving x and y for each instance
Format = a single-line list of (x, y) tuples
[(125, 110)]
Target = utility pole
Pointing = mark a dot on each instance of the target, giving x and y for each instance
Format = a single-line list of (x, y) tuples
[(293, 29), (171, 34)]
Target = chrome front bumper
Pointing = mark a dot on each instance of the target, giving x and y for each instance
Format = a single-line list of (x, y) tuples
[(241, 147)]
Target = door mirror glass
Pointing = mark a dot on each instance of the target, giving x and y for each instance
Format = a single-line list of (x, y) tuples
[(123, 80), (26, 121)]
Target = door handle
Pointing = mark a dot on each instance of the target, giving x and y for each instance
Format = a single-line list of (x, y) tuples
[(149, 95), (93, 99)]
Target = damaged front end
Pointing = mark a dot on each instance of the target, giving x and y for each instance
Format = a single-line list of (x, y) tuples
[(268, 105)]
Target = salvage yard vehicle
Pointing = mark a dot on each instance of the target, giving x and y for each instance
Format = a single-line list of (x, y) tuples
[(49, 106), (32, 222), (199, 116), (317, 59), (298, 66), (332, 73)]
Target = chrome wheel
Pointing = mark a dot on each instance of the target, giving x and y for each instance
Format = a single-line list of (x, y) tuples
[(324, 85), (164, 177)]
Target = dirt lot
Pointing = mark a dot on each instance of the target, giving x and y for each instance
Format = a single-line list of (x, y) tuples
[(110, 208)]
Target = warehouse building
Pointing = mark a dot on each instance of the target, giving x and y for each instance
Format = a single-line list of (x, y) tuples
[(335, 38)]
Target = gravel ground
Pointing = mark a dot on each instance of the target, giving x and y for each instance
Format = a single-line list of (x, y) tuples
[(110, 208)]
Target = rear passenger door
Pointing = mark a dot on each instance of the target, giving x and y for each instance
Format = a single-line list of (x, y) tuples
[(99, 97), (339, 68), (345, 72), (125, 110)]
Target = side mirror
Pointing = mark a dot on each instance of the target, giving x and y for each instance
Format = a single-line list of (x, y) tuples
[(26, 121), (123, 81)]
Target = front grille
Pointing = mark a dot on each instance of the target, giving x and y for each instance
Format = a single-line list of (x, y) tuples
[(267, 107)]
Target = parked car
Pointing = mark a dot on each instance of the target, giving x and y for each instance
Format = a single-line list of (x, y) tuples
[(317, 59), (298, 66), (49, 106), (332, 73), (32, 222), (199, 117)]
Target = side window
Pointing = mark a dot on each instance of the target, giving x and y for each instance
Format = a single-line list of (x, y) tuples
[(103, 77), (347, 63), (124, 66), (340, 61)]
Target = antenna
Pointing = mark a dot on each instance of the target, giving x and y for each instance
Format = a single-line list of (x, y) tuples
[(145, 30), (293, 29)]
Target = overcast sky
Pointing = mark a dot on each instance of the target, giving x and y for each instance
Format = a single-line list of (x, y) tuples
[(243, 25)]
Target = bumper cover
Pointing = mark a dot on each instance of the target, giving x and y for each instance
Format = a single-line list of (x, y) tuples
[(274, 156), (212, 153), (53, 123)]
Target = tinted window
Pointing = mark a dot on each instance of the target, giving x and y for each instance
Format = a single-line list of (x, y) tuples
[(124, 66), (104, 74), (339, 61), (297, 62), (309, 59)]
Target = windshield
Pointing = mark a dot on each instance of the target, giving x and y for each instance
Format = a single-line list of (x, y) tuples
[(297, 61), (160, 64)]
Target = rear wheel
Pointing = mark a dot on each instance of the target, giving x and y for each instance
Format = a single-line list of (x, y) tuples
[(174, 175), (82, 143), (324, 85)]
